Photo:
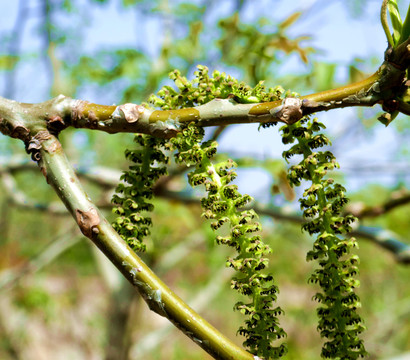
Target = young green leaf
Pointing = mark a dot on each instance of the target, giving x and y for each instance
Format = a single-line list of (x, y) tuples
[(395, 20), (385, 23), (405, 32)]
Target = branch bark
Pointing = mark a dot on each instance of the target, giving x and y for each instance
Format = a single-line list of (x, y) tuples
[(60, 175), (384, 87)]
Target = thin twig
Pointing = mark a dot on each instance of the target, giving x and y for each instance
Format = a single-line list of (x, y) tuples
[(18, 198), (218, 131), (10, 277), (387, 240), (385, 22), (378, 210), (47, 39)]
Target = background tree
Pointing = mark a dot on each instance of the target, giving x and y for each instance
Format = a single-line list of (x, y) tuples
[(56, 309)]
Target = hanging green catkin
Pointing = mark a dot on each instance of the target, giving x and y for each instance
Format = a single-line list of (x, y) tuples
[(224, 205), (322, 203), (131, 197)]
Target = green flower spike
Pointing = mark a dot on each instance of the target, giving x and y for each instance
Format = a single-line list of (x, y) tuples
[(224, 205), (131, 197), (322, 203)]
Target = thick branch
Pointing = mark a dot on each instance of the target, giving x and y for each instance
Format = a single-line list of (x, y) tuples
[(60, 175), (62, 112), (384, 87)]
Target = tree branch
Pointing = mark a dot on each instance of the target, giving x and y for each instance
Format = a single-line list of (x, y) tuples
[(398, 199), (60, 175), (383, 87), (62, 112), (385, 22), (386, 239)]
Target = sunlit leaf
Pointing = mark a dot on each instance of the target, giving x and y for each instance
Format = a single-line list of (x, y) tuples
[(355, 74), (290, 45), (289, 21), (189, 12), (8, 62), (395, 20), (324, 75), (133, 2), (405, 34)]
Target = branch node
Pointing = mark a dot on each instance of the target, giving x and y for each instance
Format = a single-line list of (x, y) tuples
[(34, 145), (130, 112), (77, 112), (56, 123), (88, 221), (14, 130), (290, 111)]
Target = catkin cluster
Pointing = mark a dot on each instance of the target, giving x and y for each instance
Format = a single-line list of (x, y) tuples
[(204, 88), (132, 194), (322, 203), (224, 206)]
